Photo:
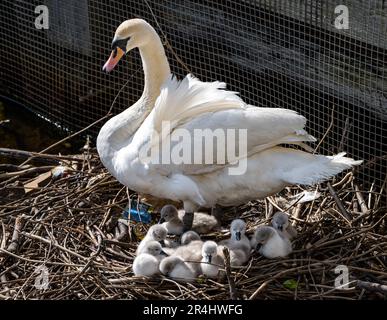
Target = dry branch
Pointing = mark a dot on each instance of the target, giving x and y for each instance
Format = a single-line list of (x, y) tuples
[(72, 226)]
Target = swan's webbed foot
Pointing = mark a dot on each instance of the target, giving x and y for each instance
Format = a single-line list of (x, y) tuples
[(187, 221)]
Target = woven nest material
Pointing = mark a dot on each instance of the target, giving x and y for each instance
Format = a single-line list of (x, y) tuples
[(64, 239)]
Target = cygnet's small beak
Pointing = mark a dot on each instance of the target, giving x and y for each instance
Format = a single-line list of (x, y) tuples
[(115, 56), (209, 258), (162, 243), (238, 235), (280, 227), (162, 220), (163, 253), (258, 247)]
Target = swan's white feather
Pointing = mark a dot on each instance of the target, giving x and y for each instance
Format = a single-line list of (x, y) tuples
[(191, 104)]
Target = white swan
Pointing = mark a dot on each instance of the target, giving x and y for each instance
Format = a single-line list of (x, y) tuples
[(191, 104)]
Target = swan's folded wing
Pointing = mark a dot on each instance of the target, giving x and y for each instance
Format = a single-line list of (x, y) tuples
[(211, 125), (180, 101)]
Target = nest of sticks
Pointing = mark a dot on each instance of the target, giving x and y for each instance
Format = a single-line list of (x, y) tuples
[(62, 237)]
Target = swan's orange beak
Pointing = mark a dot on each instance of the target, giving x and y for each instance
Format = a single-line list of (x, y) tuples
[(115, 56)]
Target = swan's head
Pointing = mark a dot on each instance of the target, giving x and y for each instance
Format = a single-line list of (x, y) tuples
[(209, 250), (188, 237), (262, 234), (158, 233), (130, 34), (280, 221), (168, 213), (154, 248), (237, 229), (168, 264)]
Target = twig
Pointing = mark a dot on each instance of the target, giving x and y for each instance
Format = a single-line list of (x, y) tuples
[(360, 199), (25, 172), (339, 203), (327, 131), (227, 265), (371, 286), (14, 245), (51, 158)]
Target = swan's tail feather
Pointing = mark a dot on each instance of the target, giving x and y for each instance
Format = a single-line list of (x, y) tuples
[(319, 168)]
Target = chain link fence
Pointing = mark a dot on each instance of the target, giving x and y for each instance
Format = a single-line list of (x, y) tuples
[(276, 53)]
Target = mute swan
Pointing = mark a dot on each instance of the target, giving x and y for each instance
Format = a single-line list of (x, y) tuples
[(189, 105), (176, 268), (238, 239), (155, 233), (238, 257), (188, 237), (269, 242), (280, 222), (202, 223), (212, 259), (190, 253), (147, 263)]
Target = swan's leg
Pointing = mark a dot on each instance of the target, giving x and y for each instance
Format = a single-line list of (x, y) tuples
[(188, 217), (187, 221)]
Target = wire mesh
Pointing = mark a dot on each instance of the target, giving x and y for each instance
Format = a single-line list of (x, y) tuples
[(276, 53)]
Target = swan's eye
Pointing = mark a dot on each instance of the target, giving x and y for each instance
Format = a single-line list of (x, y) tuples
[(120, 43)]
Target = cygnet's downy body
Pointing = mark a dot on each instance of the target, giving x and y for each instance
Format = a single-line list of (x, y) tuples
[(212, 259), (147, 262), (188, 237), (270, 243), (281, 223), (175, 267), (238, 239), (190, 253), (238, 244), (172, 219), (155, 233)]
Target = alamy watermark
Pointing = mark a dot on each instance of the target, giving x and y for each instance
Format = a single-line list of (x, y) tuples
[(41, 280), (42, 20), (342, 280), (197, 146), (342, 20)]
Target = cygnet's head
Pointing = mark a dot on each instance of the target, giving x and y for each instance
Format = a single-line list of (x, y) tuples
[(280, 221), (168, 213), (188, 237), (262, 234), (154, 248), (169, 263), (158, 233), (209, 250), (237, 229)]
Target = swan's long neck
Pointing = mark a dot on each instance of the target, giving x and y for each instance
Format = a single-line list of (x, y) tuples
[(117, 132)]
